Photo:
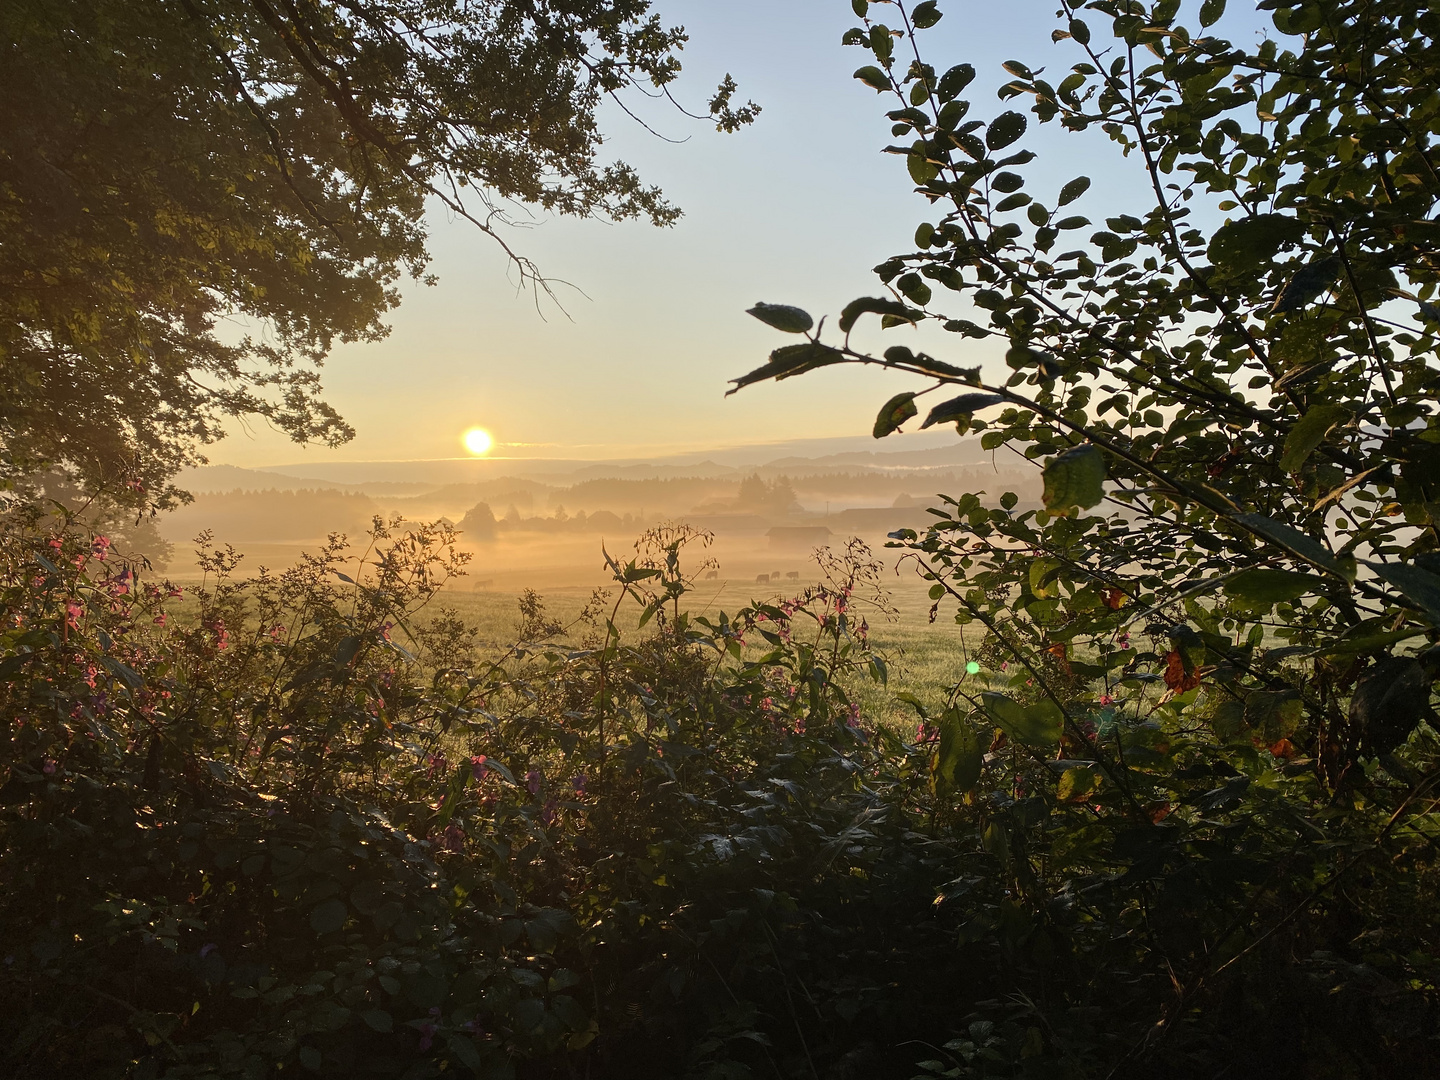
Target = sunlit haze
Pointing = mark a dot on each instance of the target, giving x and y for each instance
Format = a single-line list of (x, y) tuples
[(478, 441), (632, 358)]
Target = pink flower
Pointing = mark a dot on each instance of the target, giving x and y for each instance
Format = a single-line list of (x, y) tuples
[(1106, 699), (578, 783), (56, 543), (100, 547), (478, 767), (549, 813), (532, 781), (48, 768), (73, 610), (854, 716), (454, 838), (427, 1036), (161, 619), (436, 762)]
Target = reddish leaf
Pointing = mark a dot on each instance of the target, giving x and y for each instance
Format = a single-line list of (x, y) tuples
[(1058, 652), (1176, 677), (1114, 599)]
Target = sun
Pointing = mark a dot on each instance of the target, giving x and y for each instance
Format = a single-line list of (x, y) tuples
[(478, 441)]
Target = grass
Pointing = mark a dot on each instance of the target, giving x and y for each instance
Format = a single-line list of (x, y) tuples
[(924, 658)]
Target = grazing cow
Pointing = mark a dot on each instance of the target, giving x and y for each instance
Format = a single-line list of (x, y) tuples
[(793, 575), (775, 576), (762, 579), (712, 575)]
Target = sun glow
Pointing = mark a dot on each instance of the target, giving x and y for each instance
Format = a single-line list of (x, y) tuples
[(478, 441)]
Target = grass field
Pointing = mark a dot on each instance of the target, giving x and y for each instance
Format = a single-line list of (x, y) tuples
[(924, 658)]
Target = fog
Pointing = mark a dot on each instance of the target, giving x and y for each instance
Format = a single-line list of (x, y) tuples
[(529, 525)]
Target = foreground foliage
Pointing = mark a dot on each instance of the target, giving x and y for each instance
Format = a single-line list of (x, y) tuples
[(297, 827), (1208, 775)]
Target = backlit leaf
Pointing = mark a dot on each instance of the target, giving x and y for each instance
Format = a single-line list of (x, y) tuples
[(874, 77), (960, 756), (1075, 478), (1309, 433), (1037, 725)]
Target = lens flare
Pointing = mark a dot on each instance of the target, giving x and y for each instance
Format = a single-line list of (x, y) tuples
[(478, 441)]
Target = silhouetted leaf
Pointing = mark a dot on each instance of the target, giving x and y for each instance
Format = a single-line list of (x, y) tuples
[(964, 405), (1004, 130), (926, 15), (894, 413), (791, 320)]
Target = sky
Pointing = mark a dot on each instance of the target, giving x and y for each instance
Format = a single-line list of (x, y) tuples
[(795, 209)]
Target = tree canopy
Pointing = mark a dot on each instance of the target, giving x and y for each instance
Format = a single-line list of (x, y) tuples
[(198, 198)]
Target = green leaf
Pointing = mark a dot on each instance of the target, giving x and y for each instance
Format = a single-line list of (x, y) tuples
[(876, 305), (1004, 130), (1075, 478), (378, 1020), (926, 15), (1037, 725), (964, 405), (463, 1050), (790, 360), (790, 320), (1309, 433), (1074, 189), (860, 7), (329, 916), (1418, 586), (1292, 540), (895, 412), (954, 81), (1247, 243), (1210, 12), (1307, 284), (960, 756), (874, 77), (345, 651), (1263, 587), (1077, 783), (922, 169)]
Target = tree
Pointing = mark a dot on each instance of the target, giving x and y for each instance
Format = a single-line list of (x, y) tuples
[(199, 197), (1237, 381)]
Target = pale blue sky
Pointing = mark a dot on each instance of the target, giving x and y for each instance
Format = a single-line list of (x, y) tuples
[(795, 209)]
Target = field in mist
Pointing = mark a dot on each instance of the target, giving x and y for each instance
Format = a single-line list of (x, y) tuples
[(547, 531)]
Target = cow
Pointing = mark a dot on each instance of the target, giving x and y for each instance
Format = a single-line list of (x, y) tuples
[(712, 575), (762, 579), (793, 575)]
